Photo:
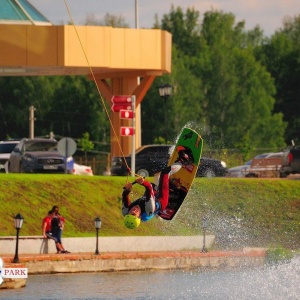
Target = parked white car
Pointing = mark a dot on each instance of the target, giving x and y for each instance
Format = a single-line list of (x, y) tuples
[(82, 170), (239, 171), (6, 147)]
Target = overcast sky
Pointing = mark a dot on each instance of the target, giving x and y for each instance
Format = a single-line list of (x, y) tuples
[(268, 14)]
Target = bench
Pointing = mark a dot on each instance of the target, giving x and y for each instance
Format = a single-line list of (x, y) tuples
[(265, 167), (32, 244)]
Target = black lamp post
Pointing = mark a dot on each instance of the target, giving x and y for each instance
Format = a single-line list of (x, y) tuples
[(204, 226), (18, 225), (165, 92), (97, 222)]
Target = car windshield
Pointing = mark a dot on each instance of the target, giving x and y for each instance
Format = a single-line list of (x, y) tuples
[(153, 150), (262, 155), (34, 146)]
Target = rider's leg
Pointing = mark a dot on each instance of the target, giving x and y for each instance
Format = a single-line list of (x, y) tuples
[(164, 183)]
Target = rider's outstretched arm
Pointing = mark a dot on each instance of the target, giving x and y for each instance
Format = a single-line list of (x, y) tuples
[(126, 199)]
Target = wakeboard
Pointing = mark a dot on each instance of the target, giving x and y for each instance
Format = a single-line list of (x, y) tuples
[(181, 181)]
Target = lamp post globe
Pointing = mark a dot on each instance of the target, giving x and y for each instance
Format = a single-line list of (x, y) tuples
[(97, 223), (165, 90)]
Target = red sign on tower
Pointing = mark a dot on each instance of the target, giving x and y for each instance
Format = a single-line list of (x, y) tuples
[(121, 102), (127, 131), (126, 114)]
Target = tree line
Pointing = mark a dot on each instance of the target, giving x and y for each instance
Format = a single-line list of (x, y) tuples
[(237, 87)]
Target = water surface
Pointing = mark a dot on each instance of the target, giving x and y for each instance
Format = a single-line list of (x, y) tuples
[(268, 283)]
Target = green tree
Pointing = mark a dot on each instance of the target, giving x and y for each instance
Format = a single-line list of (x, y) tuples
[(188, 93), (65, 105), (17, 95), (281, 55), (184, 27), (240, 92), (76, 108), (108, 20), (220, 86), (85, 144), (182, 108)]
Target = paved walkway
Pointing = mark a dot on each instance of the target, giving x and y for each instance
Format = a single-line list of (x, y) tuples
[(23, 258)]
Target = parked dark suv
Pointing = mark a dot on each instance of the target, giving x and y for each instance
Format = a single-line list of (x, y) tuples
[(36, 156), (151, 159), (290, 162)]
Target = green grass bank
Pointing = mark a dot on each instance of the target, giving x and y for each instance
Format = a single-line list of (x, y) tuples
[(239, 212)]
